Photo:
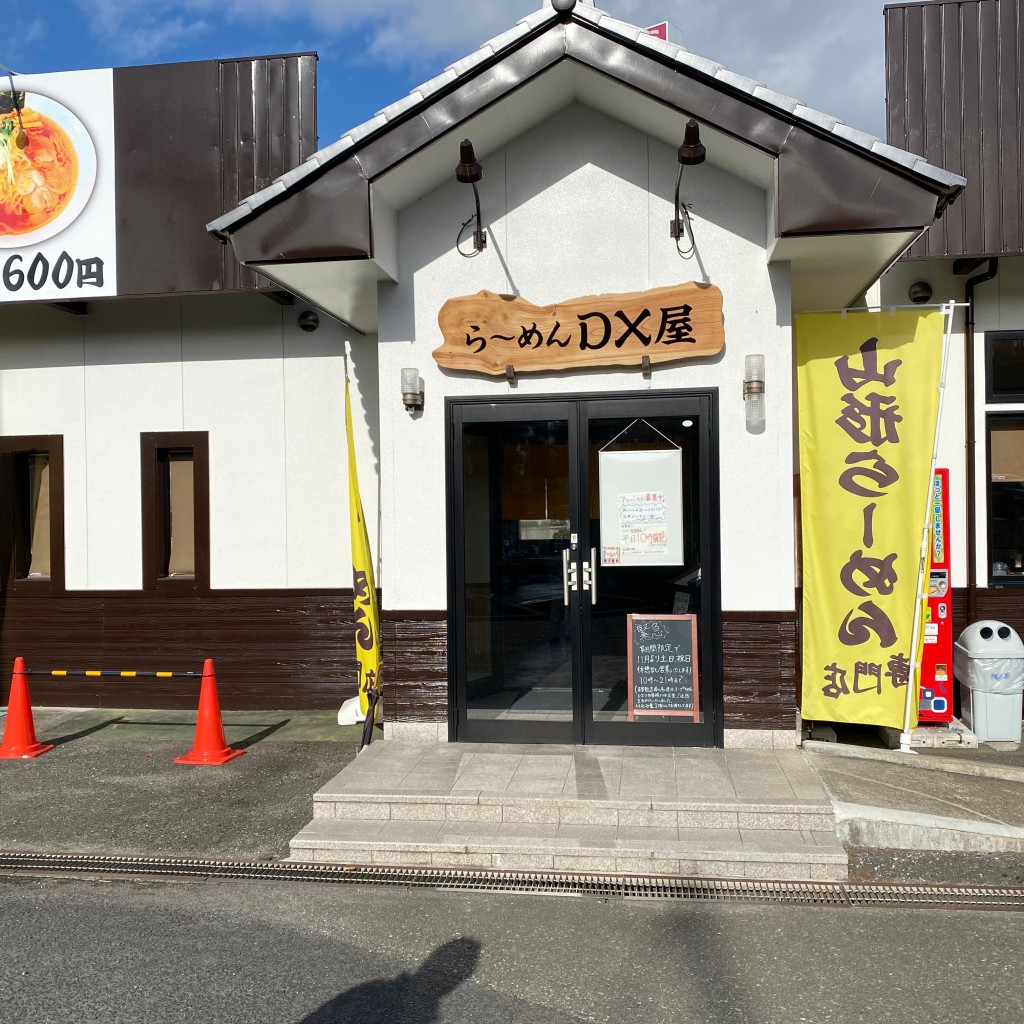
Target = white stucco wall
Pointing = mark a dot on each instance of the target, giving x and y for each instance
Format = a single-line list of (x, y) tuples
[(892, 290), (581, 205), (270, 395), (999, 306)]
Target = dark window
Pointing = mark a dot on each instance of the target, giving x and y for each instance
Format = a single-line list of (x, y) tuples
[(1006, 499), (175, 511), (32, 514), (1004, 354)]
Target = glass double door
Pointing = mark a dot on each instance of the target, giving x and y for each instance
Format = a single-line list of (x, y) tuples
[(581, 533)]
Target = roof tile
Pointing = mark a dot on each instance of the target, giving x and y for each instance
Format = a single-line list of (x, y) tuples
[(682, 57), (855, 135), (399, 107), (264, 195), (692, 60), (537, 18), (737, 81), (777, 99), (470, 61), (622, 28), (649, 42), (939, 173), (897, 156), (291, 178), (809, 114), (360, 132), (499, 42), (436, 84)]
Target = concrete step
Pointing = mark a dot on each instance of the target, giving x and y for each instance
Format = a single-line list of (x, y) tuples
[(693, 852), (704, 813), (511, 809)]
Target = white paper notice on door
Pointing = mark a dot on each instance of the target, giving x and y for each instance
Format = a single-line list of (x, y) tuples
[(641, 507)]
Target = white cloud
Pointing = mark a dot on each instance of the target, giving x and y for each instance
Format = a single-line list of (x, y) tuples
[(142, 29), (32, 31), (400, 32), (828, 53)]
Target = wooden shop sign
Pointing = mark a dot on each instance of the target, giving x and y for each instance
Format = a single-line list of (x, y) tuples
[(496, 334)]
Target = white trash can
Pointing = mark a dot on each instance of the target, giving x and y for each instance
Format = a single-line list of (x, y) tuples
[(988, 660)]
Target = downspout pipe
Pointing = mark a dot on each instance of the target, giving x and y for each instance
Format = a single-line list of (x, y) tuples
[(972, 437)]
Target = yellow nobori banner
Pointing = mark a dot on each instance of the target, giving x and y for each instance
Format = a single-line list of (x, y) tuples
[(868, 398), (364, 585)]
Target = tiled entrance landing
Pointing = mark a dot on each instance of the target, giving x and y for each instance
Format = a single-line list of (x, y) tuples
[(683, 811)]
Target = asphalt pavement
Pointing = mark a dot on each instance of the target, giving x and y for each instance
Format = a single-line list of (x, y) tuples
[(111, 786), (312, 953)]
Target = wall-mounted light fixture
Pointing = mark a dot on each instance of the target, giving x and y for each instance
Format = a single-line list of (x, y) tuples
[(469, 172), (919, 292), (753, 392), (308, 321), (412, 389), (691, 153)]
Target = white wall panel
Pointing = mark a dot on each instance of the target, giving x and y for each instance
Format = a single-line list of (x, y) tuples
[(42, 391), (132, 384), (581, 205), (317, 457), (270, 395), (233, 383), (952, 430)]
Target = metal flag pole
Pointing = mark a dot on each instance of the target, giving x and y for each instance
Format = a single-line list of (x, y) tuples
[(922, 569)]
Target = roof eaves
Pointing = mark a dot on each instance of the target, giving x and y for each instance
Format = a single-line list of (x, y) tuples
[(420, 95), (788, 106)]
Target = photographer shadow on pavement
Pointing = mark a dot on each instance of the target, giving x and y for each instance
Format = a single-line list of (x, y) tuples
[(410, 998)]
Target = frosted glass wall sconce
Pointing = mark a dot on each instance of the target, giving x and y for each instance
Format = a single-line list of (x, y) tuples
[(753, 392), (412, 389)]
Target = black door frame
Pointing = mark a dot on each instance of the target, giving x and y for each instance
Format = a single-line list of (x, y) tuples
[(516, 408)]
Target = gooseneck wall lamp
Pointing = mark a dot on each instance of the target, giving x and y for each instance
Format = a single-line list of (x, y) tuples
[(691, 153), (469, 172)]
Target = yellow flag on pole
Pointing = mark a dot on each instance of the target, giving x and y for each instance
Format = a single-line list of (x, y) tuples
[(364, 586), (868, 395)]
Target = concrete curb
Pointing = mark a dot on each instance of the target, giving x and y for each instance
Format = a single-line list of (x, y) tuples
[(883, 827), (979, 769)]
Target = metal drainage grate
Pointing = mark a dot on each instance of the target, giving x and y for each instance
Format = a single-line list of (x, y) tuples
[(975, 896), (637, 887)]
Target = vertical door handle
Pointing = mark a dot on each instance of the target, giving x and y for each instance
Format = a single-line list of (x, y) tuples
[(570, 580), (590, 575)]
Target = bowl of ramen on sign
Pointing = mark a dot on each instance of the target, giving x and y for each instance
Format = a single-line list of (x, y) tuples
[(47, 168)]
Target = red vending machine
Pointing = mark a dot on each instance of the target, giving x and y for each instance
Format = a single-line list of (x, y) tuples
[(935, 698)]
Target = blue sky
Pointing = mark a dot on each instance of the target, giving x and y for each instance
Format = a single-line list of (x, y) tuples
[(826, 52)]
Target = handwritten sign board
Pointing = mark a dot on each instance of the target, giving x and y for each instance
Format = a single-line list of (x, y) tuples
[(662, 663), (489, 333)]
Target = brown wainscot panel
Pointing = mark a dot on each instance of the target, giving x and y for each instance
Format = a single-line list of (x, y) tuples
[(760, 667), (416, 665), (1006, 604), (272, 649)]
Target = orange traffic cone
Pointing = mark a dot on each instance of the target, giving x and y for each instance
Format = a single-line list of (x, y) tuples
[(20, 731), (209, 746)]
